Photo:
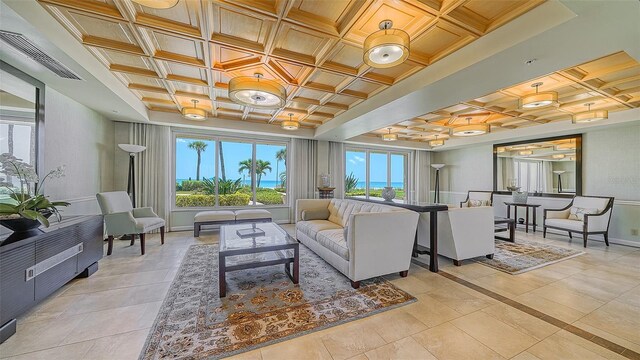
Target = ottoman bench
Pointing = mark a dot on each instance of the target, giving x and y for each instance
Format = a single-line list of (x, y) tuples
[(222, 217)]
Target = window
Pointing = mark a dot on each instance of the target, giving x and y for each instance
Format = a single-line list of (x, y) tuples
[(221, 172), (368, 172), (529, 175)]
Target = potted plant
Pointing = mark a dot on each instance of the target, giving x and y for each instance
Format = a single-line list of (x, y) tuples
[(26, 208)]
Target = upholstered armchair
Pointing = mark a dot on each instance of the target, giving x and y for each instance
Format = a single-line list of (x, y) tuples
[(465, 233), (586, 215), (120, 218), (478, 198)]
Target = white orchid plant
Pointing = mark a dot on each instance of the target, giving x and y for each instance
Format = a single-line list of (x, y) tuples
[(27, 200)]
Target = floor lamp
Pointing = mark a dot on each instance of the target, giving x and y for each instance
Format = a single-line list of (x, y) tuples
[(559, 172), (436, 196), (132, 149)]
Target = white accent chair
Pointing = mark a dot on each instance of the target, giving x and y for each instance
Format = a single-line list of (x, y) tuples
[(593, 218), (465, 233), (483, 196), (361, 240), (120, 218)]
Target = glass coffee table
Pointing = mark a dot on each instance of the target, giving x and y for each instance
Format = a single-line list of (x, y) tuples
[(268, 245)]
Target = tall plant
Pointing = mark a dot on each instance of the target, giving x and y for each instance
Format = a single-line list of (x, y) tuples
[(199, 147), (281, 155), (350, 182), (261, 169), (244, 165)]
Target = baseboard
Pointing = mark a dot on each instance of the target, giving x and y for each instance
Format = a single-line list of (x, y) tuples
[(600, 238), (213, 227)]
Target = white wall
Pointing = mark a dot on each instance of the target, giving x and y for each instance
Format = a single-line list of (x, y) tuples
[(82, 140), (611, 167)]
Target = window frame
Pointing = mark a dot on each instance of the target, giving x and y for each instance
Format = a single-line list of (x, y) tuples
[(367, 151), (216, 138)]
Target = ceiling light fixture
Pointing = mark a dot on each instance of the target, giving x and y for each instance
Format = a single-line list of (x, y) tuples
[(525, 152), (194, 113), (389, 136), (539, 99), (501, 149), (257, 92), (565, 146), (436, 142), (157, 4), (589, 115), (290, 124), (471, 129), (557, 156), (386, 47)]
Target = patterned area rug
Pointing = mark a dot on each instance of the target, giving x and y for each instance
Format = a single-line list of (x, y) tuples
[(262, 306), (523, 256)]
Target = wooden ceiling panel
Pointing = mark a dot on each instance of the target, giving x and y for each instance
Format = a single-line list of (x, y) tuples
[(312, 47), (404, 16), (500, 109)]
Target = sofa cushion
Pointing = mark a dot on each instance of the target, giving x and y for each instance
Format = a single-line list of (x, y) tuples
[(577, 213), (312, 227), (317, 214), (575, 225), (334, 241)]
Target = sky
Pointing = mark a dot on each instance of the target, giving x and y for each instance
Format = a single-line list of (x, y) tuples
[(234, 152), (356, 163)]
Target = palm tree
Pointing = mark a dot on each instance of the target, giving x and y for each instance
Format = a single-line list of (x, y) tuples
[(244, 165), (224, 177), (199, 147), (261, 167), (281, 155)]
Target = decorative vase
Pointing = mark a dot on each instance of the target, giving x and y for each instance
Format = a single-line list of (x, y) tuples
[(388, 193), (22, 224)]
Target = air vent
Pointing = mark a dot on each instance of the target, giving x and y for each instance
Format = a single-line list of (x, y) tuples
[(25, 46)]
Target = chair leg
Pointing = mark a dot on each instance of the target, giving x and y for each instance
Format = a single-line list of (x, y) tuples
[(570, 235), (584, 236), (544, 231), (457, 262), (162, 235), (404, 273), (196, 230), (606, 238), (355, 284), (490, 256), (142, 244), (110, 246), (133, 239)]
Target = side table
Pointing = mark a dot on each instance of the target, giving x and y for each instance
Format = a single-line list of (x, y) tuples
[(526, 218)]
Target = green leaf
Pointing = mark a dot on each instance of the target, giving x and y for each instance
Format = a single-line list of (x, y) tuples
[(43, 220), (8, 209), (60, 203), (30, 214)]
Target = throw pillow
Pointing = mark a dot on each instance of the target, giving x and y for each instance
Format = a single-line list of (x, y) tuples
[(577, 213), (476, 203), (318, 214)]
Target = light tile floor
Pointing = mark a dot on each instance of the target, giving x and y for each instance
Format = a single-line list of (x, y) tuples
[(108, 315)]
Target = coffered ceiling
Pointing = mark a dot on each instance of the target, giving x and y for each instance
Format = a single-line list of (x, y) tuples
[(312, 47), (611, 83)]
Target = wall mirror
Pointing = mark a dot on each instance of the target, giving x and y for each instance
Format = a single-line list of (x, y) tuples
[(543, 167), (21, 117)]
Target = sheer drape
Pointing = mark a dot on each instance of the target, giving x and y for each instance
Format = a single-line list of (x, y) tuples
[(420, 175), (303, 170), (152, 167), (505, 172), (547, 177), (336, 168)]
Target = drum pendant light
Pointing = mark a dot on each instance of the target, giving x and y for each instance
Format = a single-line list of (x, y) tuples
[(387, 47), (290, 124), (257, 92), (539, 99), (194, 113)]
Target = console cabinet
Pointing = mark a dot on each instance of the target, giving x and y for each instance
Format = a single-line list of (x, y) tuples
[(34, 265)]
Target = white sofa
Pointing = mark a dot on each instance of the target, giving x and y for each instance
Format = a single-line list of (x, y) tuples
[(361, 240), (586, 215), (465, 233)]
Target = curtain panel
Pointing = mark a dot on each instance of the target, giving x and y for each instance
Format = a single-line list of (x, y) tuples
[(336, 168), (420, 176), (303, 171), (152, 168)]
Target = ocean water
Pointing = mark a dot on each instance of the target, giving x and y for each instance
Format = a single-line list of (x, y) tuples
[(270, 184)]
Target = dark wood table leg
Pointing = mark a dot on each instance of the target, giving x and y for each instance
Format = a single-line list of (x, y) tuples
[(221, 277), (534, 219), (414, 253), (512, 231), (433, 241), (508, 212), (526, 219), (296, 264)]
